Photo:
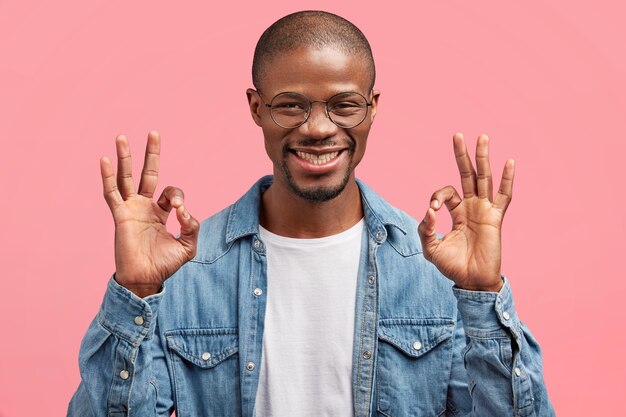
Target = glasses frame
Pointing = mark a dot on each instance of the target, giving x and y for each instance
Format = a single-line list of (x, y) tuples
[(310, 109)]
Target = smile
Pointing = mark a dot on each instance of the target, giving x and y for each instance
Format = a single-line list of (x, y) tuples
[(317, 159)]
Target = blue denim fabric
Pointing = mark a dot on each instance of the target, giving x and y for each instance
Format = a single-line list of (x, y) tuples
[(422, 347)]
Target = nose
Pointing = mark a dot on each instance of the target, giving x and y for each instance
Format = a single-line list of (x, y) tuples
[(318, 125)]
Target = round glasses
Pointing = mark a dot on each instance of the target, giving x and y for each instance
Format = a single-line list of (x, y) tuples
[(291, 110)]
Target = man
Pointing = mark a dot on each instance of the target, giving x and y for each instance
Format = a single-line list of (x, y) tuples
[(310, 296)]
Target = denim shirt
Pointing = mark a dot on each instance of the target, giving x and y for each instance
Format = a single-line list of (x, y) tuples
[(421, 346)]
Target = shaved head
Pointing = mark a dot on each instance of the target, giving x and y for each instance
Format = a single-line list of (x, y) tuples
[(310, 29)]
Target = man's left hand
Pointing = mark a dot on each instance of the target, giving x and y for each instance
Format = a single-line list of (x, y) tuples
[(470, 254)]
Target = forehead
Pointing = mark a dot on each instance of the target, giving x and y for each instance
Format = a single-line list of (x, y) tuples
[(317, 73)]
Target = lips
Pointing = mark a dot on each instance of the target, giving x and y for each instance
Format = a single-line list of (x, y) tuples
[(317, 159)]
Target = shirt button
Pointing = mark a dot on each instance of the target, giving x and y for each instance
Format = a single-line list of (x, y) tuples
[(518, 372), (139, 320), (506, 315), (257, 292), (367, 354), (257, 244), (124, 374), (371, 279), (250, 366), (379, 235), (206, 356), (417, 345)]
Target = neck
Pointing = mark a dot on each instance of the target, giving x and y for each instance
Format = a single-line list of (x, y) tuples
[(286, 214)]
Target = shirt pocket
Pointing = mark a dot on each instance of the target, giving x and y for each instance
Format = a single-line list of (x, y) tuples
[(413, 366), (205, 371)]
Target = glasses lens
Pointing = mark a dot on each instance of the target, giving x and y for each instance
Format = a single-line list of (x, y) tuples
[(290, 109), (347, 109)]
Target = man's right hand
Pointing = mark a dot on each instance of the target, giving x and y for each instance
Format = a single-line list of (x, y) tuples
[(146, 254)]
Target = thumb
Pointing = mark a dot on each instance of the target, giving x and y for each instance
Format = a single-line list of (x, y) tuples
[(189, 228), (427, 233)]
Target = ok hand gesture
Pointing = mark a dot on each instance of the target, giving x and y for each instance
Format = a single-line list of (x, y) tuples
[(146, 254), (470, 254)]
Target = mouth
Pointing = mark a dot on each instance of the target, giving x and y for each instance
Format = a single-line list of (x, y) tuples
[(318, 160)]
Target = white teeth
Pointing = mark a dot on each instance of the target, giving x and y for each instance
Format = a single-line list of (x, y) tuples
[(317, 159)]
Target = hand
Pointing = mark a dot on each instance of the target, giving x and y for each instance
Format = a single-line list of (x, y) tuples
[(146, 254), (470, 254)]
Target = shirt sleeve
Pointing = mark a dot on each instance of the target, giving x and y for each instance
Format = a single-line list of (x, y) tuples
[(119, 359), (502, 359)]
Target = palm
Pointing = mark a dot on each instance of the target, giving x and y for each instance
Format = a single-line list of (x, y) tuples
[(470, 254), (146, 254), (140, 230)]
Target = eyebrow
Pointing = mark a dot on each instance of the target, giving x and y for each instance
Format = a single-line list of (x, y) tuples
[(334, 93)]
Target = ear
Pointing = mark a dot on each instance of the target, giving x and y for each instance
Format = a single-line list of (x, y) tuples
[(254, 101), (374, 106)]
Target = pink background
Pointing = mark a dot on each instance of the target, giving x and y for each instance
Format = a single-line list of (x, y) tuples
[(545, 81)]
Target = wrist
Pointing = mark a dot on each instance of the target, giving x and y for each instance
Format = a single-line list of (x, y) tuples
[(140, 290), (143, 292), (494, 287)]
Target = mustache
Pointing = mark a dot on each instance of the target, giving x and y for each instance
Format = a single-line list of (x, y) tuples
[(317, 142)]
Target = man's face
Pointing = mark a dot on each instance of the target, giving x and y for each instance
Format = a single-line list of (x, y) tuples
[(317, 159)]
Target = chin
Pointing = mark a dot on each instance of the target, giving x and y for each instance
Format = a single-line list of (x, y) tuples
[(316, 194)]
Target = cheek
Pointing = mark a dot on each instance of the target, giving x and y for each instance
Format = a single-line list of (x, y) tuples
[(359, 151), (360, 138), (273, 142)]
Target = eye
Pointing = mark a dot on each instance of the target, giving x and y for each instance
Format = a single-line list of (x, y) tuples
[(289, 109), (289, 105), (345, 108), (345, 105)]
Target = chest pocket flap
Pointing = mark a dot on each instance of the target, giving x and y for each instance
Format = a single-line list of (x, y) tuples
[(415, 337), (205, 348), (414, 362)]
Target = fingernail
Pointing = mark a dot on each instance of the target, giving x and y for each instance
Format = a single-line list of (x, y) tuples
[(435, 203), (176, 201)]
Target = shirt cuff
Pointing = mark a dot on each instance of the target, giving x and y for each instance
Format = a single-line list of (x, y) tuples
[(126, 315), (487, 314)]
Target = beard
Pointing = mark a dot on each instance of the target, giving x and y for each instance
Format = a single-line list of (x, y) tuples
[(322, 193)]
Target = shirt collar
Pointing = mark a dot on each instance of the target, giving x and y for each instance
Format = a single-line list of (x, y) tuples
[(243, 219)]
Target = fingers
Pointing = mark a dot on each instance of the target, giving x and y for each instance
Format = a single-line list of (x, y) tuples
[(171, 197), (505, 193), (124, 167), (484, 182), (427, 233), (109, 186), (447, 195), (189, 228), (150, 172), (466, 169)]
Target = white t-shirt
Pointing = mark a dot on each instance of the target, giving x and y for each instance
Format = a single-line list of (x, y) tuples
[(306, 366)]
